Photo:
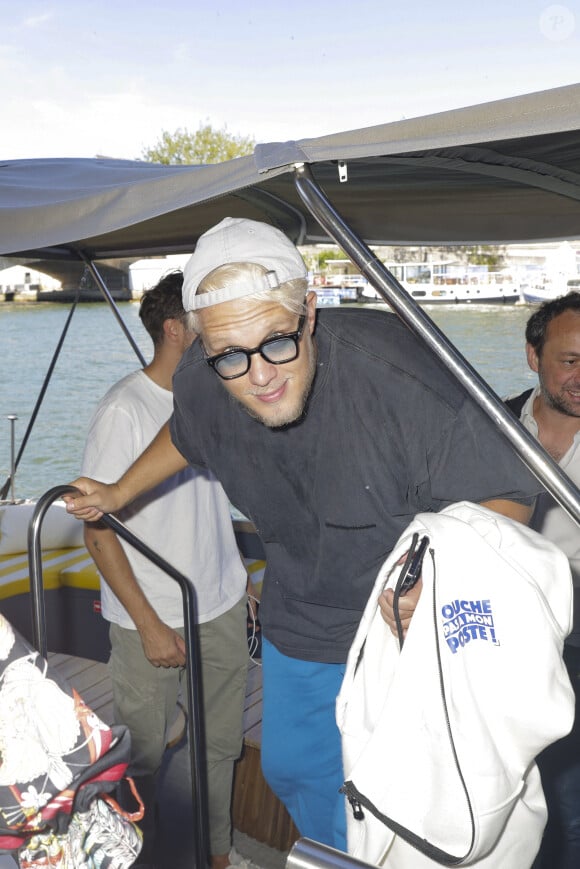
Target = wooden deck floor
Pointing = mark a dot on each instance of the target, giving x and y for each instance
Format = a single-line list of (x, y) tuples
[(256, 811), (92, 681), (90, 678)]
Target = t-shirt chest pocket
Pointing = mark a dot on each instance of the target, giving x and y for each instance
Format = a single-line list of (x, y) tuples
[(355, 536), (352, 544)]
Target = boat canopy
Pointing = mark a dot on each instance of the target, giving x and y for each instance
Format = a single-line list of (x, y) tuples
[(505, 171)]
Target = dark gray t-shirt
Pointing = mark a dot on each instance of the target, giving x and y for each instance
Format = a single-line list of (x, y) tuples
[(387, 433)]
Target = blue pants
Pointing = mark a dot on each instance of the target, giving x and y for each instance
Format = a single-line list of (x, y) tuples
[(301, 749), (559, 767)]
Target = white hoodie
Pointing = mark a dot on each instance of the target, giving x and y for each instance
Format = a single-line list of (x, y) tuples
[(441, 736)]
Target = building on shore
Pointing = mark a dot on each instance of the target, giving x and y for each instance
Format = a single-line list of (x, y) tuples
[(21, 283)]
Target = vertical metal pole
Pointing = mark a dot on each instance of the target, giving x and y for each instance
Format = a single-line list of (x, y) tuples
[(195, 726), (200, 853), (12, 417), (35, 568), (108, 298), (525, 445)]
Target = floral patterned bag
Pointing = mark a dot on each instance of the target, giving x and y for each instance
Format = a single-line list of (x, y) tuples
[(59, 765), (103, 837)]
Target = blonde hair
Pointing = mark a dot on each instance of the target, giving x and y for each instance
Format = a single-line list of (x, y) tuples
[(291, 294)]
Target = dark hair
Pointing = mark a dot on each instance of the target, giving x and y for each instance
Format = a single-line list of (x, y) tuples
[(162, 302), (538, 323)]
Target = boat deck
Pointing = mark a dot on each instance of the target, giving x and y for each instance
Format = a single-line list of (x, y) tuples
[(256, 811), (257, 815), (74, 625)]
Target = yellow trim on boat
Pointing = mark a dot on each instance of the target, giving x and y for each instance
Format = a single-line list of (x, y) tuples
[(70, 568)]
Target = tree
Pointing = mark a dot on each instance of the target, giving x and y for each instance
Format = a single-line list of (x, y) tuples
[(486, 255), (206, 145), (325, 255)]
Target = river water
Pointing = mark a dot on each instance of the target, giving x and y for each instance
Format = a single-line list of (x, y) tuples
[(96, 353)]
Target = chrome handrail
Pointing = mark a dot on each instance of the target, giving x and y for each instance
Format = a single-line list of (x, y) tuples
[(531, 453), (308, 854), (192, 668)]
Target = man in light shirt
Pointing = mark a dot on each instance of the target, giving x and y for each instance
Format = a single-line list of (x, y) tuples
[(551, 412), (186, 519)]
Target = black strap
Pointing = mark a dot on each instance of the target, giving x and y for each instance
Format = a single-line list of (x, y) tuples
[(516, 403), (397, 589), (358, 800)]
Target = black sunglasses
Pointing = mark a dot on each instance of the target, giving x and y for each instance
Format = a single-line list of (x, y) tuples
[(236, 361)]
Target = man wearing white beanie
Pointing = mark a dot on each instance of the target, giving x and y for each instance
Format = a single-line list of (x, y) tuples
[(330, 431)]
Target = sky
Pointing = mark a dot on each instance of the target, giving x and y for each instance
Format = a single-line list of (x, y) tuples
[(80, 78)]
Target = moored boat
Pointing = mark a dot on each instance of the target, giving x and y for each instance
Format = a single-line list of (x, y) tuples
[(544, 288), (443, 283)]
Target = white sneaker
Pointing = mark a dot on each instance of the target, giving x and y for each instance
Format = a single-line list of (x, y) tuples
[(239, 862)]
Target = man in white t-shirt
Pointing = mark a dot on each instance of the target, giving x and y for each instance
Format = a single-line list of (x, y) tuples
[(185, 519), (551, 412)]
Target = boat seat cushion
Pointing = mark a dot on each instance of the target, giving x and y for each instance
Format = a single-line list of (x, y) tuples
[(59, 529)]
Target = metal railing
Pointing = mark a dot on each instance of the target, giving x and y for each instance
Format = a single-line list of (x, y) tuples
[(544, 468), (308, 854), (192, 669)]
